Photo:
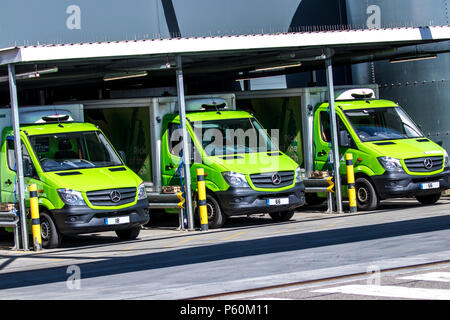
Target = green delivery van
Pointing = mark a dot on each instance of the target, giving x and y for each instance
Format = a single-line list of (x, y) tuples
[(392, 157), (246, 173), (241, 178), (83, 185)]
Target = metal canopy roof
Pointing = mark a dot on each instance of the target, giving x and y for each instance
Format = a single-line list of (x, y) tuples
[(225, 57), (229, 56)]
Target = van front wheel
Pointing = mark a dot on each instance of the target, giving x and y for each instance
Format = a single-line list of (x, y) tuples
[(281, 216), (216, 218), (366, 196), (429, 199), (50, 236), (128, 234)]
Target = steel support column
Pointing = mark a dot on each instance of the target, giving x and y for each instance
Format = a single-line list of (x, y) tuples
[(186, 150), (20, 187), (334, 131)]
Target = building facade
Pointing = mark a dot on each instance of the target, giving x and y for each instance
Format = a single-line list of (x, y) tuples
[(421, 87)]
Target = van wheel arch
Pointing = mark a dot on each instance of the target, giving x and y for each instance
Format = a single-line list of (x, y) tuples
[(213, 204), (369, 190), (363, 175), (48, 227)]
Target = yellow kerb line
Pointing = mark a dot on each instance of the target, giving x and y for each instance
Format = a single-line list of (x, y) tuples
[(233, 236), (179, 242)]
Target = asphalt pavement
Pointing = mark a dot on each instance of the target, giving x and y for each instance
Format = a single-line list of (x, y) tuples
[(246, 254)]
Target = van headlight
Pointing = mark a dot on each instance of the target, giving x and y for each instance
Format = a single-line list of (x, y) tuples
[(298, 175), (235, 179), (446, 160), (142, 194), (391, 164), (71, 197)]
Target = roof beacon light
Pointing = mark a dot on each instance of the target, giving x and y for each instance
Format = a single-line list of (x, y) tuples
[(55, 118), (206, 104), (356, 94)]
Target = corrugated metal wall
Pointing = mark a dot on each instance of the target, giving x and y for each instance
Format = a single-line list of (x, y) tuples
[(66, 21), (421, 87)]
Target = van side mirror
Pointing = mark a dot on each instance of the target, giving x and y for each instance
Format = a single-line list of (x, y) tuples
[(28, 169), (344, 139)]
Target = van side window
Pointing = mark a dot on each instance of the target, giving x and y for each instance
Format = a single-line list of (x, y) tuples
[(11, 156), (174, 138), (325, 130)]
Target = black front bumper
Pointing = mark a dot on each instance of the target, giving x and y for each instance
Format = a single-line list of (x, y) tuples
[(393, 185), (83, 219), (244, 201)]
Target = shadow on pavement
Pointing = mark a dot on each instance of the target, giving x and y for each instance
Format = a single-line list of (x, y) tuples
[(222, 251), (171, 222)]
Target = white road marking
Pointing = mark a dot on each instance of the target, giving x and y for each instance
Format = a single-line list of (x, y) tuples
[(390, 291), (432, 276)]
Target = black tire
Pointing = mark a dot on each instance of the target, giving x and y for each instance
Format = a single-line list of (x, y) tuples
[(282, 215), (313, 199), (128, 234), (216, 217), (366, 196), (51, 238), (429, 199)]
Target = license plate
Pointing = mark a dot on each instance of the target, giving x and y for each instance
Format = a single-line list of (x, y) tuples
[(117, 220), (277, 201), (430, 185)]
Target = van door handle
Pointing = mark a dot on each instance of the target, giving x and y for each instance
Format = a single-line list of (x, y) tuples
[(322, 153), (8, 182), (169, 167)]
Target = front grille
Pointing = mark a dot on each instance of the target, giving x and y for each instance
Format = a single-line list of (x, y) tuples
[(418, 164), (103, 197), (265, 180)]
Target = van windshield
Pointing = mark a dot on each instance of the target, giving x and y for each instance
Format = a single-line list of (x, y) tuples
[(375, 124), (73, 150), (232, 136)]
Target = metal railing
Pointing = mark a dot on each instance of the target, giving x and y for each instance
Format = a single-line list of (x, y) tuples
[(166, 201), (11, 219), (316, 185)]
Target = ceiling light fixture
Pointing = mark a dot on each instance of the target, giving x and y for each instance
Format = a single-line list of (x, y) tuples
[(124, 75), (244, 79), (30, 75), (417, 58), (298, 64)]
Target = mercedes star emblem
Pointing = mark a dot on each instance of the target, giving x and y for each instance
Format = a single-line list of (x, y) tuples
[(115, 196), (276, 178), (428, 163)]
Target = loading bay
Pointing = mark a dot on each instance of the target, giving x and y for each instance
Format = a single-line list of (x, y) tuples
[(315, 255)]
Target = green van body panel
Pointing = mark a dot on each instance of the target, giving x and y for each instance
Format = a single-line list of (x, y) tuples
[(366, 154), (214, 166), (86, 179)]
